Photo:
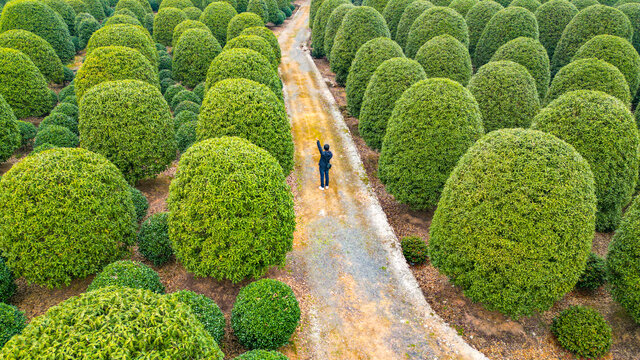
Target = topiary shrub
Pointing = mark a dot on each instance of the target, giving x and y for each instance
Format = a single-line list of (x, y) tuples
[(127, 327), (442, 111), (166, 83), (187, 25), (539, 184), (187, 106), (86, 25), (148, 22), (379, 5), (409, 16), (320, 22), (27, 132), (60, 119), (164, 74), (242, 21), (388, 83), (138, 139), (415, 250), (477, 19), (507, 24), (111, 63), (67, 109), (592, 21), (165, 62), (38, 50), (206, 311), (392, 14), (53, 98), (184, 95), (256, 43), (436, 21), (632, 10), (122, 19), (10, 138), (178, 4), (164, 22), (140, 203), (22, 85), (333, 24), (192, 12), (590, 74), (7, 284), (506, 94), (267, 35), (134, 6), (260, 8), (370, 55), (532, 55), (193, 54), (246, 223), (217, 16), (43, 147), (65, 11), (444, 56), (594, 274), (68, 74), (272, 8), (12, 322), (67, 91), (313, 9), (153, 239), (257, 303), (56, 135), (462, 7), (40, 19), (581, 4), (186, 135), (582, 331), (172, 91), (359, 25), (127, 273), (131, 36), (261, 355), (244, 63), (78, 7), (531, 5), (553, 16), (51, 215)]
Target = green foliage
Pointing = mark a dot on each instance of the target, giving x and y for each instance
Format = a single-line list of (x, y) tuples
[(65, 11), (172, 91), (333, 24), (506, 94), (164, 22), (193, 54), (581, 4), (148, 22), (128, 325), (242, 21), (477, 19), (432, 125), (127, 273), (192, 12), (444, 56), (78, 7), (415, 250), (187, 25), (70, 100), (272, 8), (164, 74), (436, 21), (186, 135), (256, 43), (582, 331), (260, 8), (198, 90), (131, 36), (187, 106), (153, 239), (632, 10), (165, 62), (94, 7), (12, 322), (166, 83), (231, 210), (553, 16), (38, 50), (56, 135), (206, 311), (128, 122), (409, 16), (27, 132), (22, 85), (67, 91), (359, 25), (10, 138), (7, 284), (122, 19), (140, 203), (110, 63), (379, 5), (319, 26), (43, 147), (178, 4), (60, 119), (368, 57), (268, 36), (68, 74), (313, 9), (256, 306), (531, 5), (87, 223), (392, 14), (184, 95), (594, 274), (67, 109), (86, 25), (217, 16), (261, 355)]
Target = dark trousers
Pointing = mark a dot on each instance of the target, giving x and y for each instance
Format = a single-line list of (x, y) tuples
[(324, 176)]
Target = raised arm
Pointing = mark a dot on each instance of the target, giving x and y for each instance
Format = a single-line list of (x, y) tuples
[(319, 147)]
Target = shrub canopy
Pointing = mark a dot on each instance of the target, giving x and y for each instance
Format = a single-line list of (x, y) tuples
[(254, 42), (462, 6), (260, 8), (268, 35), (436, 21), (392, 14), (242, 21), (65, 11), (10, 137), (531, 5), (135, 6), (164, 22), (582, 331), (12, 321), (445, 57), (410, 14), (193, 54), (122, 19), (130, 274), (38, 50), (131, 36), (333, 24), (22, 85), (153, 239), (632, 10), (477, 19), (217, 17), (206, 311), (320, 22), (261, 355), (553, 16), (56, 135), (187, 25)]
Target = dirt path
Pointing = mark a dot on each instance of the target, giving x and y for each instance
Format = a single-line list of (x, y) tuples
[(365, 303)]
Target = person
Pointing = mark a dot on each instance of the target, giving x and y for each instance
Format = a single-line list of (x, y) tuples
[(324, 164)]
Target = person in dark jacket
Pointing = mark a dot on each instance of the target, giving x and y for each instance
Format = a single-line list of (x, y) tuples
[(324, 164)]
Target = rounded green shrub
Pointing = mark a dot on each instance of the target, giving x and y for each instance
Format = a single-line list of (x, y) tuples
[(582, 331), (247, 64), (256, 43), (187, 25), (477, 19), (131, 8), (506, 25), (531, 5), (445, 113), (313, 9), (255, 307), (444, 56), (231, 210), (67, 91), (415, 250), (165, 62), (581, 4), (261, 355), (409, 16), (360, 24), (206, 311), (164, 22), (131, 36), (592, 21), (506, 94), (60, 119), (532, 55), (553, 16), (217, 17), (138, 139), (260, 8), (127, 273), (268, 36), (10, 138), (140, 203), (27, 132), (242, 21), (153, 239), (78, 7), (122, 19), (192, 12), (333, 24), (148, 22), (462, 7), (379, 5), (172, 91), (65, 11), (128, 327), (393, 12), (12, 322), (86, 27), (178, 4), (43, 147), (187, 106), (7, 283), (184, 95), (94, 7), (38, 50), (22, 85), (56, 135), (272, 8), (68, 74), (110, 63), (67, 109), (166, 83), (186, 135), (594, 274), (43, 213), (368, 57), (70, 100), (436, 21), (590, 74), (164, 74), (632, 10), (193, 54), (319, 26)]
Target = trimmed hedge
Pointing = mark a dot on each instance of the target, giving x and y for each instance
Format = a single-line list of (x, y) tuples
[(178, 4), (256, 43), (444, 56), (531, 5), (206, 311), (65, 11), (594, 274), (22, 85), (131, 36), (242, 21), (186, 135), (38, 50), (192, 12), (445, 113), (224, 223), (217, 16), (247, 109), (368, 57), (582, 331), (414, 250), (10, 137), (360, 24), (184, 95), (193, 54), (260, 8), (333, 24), (632, 10), (553, 16), (319, 26), (59, 119), (153, 239), (392, 14), (187, 106), (506, 94), (379, 5), (140, 203), (477, 19), (268, 35), (7, 284), (122, 19), (539, 185), (43, 213), (27, 132), (436, 21), (128, 327), (12, 322), (67, 109), (130, 274), (188, 25), (410, 14), (255, 308), (164, 22), (261, 355)]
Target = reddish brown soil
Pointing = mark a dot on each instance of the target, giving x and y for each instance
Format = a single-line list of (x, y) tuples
[(490, 332)]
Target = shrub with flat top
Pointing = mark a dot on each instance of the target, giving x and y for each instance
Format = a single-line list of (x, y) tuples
[(333, 24), (410, 14), (153, 239), (38, 50), (22, 85), (582, 331), (242, 21), (477, 19), (127, 273), (444, 56), (319, 26), (164, 22), (131, 36), (12, 322), (436, 21), (192, 56), (9, 133), (206, 310), (553, 16), (217, 17)]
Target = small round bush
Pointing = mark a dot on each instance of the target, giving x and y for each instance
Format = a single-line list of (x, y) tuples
[(67, 109), (172, 91), (632, 10), (367, 59), (53, 98), (582, 331), (414, 249), (43, 147), (7, 283), (128, 122), (242, 21), (153, 239), (128, 12), (111, 63), (462, 7), (94, 7), (445, 113), (272, 8), (187, 105), (122, 19), (260, 8), (506, 94), (590, 74), (56, 135), (68, 90), (183, 118), (164, 74), (333, 24), (581, 4), (165, 62), (12, 322), (131, 36), (409, 16), (200, 90), (65, 11), (532, 55), (224, 223), (187, 25), (70, 100), (436, 21), (592, 21), (164, 22), (127, 327), (247, 64), (217, 17), (10, 138), (79, 7), (22, 85), (186, 135), (256, 306), (261, 355), (86, 25), (390, 80), (68, 74), (287, 11), (148, 22), (184, 95), (267, 35), (553, 16), (392, 14), (594, 274), (140, 203), (319, 26), (507, 24), (379, 5), (206, 311), (51, 215), (359, 25), (27, 132), (38, 50), (127, 273), (477, 19), (313, 9), (193, 54), (166, 83), (444, 56), (60, 119), (192, 12), (178, 4), (531, 5), (256, 43), (539, 184)]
